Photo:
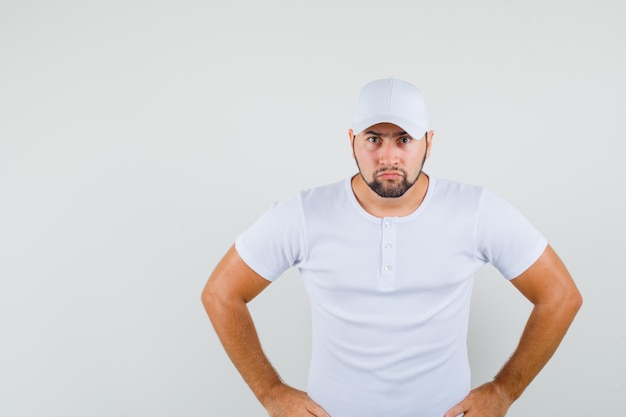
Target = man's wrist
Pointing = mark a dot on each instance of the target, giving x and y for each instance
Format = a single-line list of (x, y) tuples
[(270, 392), (507, 389)]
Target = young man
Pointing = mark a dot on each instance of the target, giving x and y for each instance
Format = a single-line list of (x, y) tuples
[(388, 258)]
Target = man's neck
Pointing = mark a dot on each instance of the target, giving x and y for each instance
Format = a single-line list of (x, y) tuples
[(390, 207)]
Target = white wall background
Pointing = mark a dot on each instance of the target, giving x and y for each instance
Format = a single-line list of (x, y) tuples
[(138, 138)]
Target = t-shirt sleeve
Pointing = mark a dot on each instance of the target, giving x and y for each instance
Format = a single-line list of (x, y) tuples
[(275, 241), (505, 238)]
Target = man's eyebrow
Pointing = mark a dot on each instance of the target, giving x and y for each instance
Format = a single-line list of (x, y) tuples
[(372, 132)]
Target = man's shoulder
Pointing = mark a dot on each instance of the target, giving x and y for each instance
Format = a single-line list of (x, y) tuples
[(304, 197), (326, 191), (454, 188)]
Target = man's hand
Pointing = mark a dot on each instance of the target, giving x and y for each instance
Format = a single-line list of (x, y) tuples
[(285, 401), (488, 400)]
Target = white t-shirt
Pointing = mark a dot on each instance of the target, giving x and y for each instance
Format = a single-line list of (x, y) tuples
[(390, 296)]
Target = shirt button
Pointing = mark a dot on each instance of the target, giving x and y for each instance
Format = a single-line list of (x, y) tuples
[(388, 268), (387, 224), (388, 246)]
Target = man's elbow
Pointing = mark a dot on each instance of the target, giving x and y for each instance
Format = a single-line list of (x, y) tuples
[(576, 300), (570, 302), (209, 297)]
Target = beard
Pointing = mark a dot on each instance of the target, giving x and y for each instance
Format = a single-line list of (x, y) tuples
[(387, 189)]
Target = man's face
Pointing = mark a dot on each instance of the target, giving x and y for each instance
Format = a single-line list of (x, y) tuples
[(389, 159)]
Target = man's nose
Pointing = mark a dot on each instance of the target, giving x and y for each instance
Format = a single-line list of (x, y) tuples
[(388, 153)]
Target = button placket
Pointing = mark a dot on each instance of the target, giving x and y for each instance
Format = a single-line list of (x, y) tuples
[(388, 242)]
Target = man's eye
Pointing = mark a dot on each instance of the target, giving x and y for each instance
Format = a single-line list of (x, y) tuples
[(404, 140), (373, 139)]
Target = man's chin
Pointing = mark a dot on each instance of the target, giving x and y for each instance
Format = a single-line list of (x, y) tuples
[(389, 192)]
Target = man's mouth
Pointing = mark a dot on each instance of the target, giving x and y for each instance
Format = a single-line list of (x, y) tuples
[(390, 175)]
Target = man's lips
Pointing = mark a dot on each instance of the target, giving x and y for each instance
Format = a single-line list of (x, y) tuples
[(388, 175)]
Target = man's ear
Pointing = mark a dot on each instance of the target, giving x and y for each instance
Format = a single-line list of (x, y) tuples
[(351, 136), (429, 142)]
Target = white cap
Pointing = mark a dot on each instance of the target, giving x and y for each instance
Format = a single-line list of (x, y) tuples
[(392, 101)]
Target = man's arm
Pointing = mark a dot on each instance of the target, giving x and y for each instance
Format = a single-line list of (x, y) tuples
[(556, 300), (231, 286)]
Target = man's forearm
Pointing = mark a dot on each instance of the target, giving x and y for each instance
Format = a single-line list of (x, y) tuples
[(232, 285), (235, 328), (548, 285), (543, 333)]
